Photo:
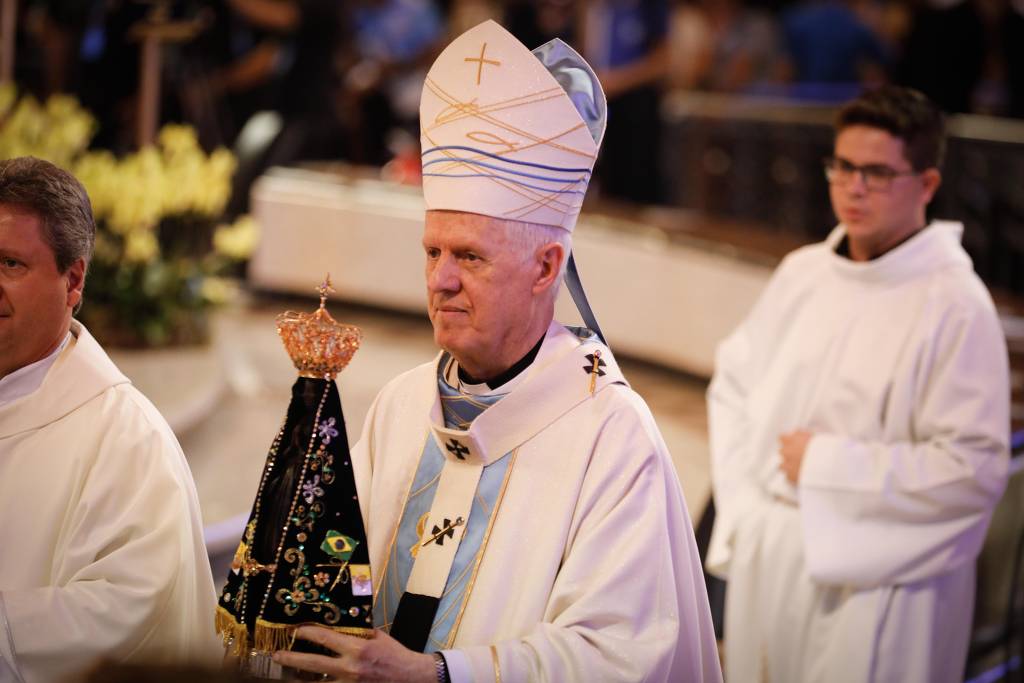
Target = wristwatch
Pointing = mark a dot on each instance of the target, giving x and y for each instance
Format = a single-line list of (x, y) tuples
[(441, 667)]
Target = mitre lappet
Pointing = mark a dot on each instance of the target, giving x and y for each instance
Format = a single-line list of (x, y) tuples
[(303, 557)]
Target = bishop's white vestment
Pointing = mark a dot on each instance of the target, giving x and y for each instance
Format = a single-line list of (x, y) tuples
[(865, 570), (587, 569), (101, 546)]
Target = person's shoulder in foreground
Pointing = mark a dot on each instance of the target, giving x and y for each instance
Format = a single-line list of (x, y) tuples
[(96, 494)]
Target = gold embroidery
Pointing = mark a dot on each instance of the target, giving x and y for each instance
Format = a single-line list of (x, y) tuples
[(451, 587), (486, 138), (482, 113), (547, 201), (519, 100), (302, 591), (456, 111), (528, 193), (420, 527), (497, 664), (467, 399), (537, 199), (425, 486), (482, 61)]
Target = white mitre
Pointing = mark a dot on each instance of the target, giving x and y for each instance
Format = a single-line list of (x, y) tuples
[(507, 132)]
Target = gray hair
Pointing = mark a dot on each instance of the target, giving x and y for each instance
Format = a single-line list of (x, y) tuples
[(526, 238), (58, 200)]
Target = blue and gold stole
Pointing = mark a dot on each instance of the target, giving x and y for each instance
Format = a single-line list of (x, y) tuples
[(463, 471), (430, 618)]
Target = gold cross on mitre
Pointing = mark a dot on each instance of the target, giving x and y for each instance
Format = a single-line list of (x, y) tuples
[(482, 61)]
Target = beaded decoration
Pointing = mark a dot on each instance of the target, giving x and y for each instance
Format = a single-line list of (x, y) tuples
[(319, 551)]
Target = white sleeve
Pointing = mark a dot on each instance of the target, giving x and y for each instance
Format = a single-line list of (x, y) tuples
[(735, 463), (458, 666), (8, 663), (878, 513), (121, 570), (362, 461)]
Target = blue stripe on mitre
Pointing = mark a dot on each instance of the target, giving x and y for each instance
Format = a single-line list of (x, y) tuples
[(504, 159)]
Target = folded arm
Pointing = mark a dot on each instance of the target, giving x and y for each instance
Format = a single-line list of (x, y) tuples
[(883, 512)]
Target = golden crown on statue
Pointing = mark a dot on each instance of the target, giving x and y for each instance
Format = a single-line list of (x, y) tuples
[(318, 344)]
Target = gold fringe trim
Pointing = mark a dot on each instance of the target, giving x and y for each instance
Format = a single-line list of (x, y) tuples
[(271, 637), (235, 635)]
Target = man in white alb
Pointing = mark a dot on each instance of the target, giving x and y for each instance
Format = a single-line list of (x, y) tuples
[(101, 547), (859, 428), (524, 518)]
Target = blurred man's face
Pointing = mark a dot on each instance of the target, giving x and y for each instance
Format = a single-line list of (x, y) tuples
[(36, 300), (480, 291), (878, 215)]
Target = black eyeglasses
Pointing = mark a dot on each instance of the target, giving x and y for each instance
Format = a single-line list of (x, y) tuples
[(876, 177)]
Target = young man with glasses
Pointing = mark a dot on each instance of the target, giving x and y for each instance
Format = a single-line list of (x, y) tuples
[(859, 424)]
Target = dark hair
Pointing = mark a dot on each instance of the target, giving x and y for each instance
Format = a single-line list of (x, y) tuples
[(905, 114), (58, 200)]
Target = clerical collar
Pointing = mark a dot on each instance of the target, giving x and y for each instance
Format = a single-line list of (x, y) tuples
[(504, 378), (843, 248), (24, 381)]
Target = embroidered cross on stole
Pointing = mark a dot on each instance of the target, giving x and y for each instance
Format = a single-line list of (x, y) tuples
[(409, 609)]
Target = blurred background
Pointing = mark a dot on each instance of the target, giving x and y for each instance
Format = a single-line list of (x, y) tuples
[(727, 101), (721, 106), (236, 150)]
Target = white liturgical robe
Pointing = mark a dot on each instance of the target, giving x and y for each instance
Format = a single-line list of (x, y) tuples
[(864, 571), (589, 570), (101, 547)]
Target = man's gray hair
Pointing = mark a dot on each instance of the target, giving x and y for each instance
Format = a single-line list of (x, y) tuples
[(527, 238), (58, 200)]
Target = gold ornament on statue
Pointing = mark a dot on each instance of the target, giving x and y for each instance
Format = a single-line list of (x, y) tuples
[(303, 558), (319, 346)]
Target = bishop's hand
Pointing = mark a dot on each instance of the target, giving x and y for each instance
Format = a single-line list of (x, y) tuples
[(377, 658)]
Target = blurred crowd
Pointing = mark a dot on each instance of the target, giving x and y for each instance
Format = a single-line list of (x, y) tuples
[(289, 80)]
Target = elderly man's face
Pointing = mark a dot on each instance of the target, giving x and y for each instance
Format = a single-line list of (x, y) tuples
[(35, 299), (480, 290)]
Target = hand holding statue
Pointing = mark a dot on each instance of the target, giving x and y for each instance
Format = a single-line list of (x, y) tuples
[(376, 658)]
